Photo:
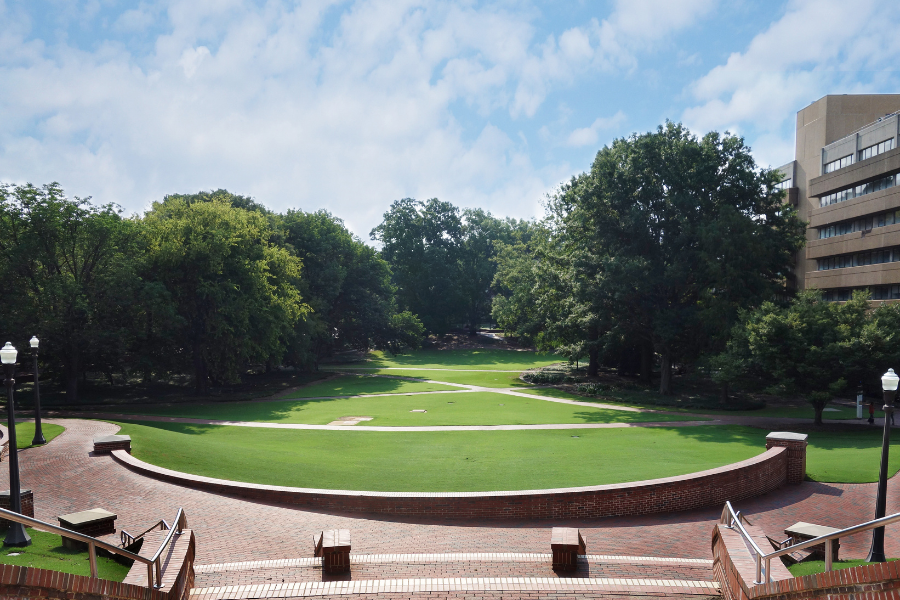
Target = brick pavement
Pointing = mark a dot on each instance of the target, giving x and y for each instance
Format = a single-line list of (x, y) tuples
[(66, 478)]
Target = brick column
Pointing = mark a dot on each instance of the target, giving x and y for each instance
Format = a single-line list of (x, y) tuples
[(796, 452), (27, 499)]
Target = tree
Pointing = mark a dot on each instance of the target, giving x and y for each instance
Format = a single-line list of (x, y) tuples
[(69, 278), (422, 243), (235, 292), (348, 287), (675, 234), (810, 347)]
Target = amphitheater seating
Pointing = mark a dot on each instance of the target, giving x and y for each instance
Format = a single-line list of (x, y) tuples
[(333, 545), (566, 544)]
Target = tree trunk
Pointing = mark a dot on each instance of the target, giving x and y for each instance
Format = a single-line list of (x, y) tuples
[(820, 407), (593, 361), (665, 373), (646, 362), (72, 372), (201, 373), (724, 393)]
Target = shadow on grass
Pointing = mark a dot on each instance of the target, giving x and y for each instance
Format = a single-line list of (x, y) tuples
[(483, 358)]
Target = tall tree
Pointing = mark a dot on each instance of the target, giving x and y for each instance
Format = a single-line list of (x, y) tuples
[(676, 233), (422, 243), (348, 287), (69, 278), (235, 292)]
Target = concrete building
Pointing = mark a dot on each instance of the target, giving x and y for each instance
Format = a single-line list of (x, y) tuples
[(845, 181)]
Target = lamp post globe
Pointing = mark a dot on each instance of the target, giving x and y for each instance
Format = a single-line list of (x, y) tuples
[(889, 383), (38, 432), (15, 535)]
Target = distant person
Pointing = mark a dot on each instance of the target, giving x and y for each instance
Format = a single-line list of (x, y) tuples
[(871, 412), (896, 408)]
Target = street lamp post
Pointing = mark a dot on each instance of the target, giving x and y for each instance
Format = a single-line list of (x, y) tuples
[(16, 535), (38, 433), (889, 383)]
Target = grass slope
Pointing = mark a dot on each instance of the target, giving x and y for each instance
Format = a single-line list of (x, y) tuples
[(484, 359), (464, 408), (352, 385), (46, 552), (25, 433), (482, 378), (818, 566), (482, 460), (440, 461)]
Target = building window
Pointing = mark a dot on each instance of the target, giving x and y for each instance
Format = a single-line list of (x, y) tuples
[(859, 190), (840, 163), (787, 183), (876, 149), (863, 224), (859, 259)]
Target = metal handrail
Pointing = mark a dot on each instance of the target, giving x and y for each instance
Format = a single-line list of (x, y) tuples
[(178, 525), (128, 539), (94, 543), (826, 539)]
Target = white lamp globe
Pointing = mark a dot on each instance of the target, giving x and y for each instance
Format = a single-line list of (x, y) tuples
[(889, 381), (8, 354), (34, 341)]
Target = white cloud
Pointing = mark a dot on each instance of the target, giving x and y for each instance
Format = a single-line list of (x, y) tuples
[(816, 47), (588, 136), (263, 100)]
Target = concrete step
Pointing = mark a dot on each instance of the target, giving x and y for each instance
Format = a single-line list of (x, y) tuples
[(450, 573)]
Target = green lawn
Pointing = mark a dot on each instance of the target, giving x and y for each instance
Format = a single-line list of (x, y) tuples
[(482, 460), (46, 552), (849, 457), (836, 411), (440, 461), (818, 566), (352, 385), (465, 359), (482, 378), (463, 408), (25, 433)]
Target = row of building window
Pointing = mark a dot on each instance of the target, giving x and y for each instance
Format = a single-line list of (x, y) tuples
[(876, 149), (846, 161), (859, 190), (840, 163), (864, 224), (860, 259), (881, 292), (787, 183)]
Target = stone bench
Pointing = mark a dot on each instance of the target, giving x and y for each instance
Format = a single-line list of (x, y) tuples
[(566, 544), (801, 532), (94, 522), (104, 444), (27, 502), (333, 545)]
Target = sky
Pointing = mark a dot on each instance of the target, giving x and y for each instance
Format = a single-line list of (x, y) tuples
[(349, 106)]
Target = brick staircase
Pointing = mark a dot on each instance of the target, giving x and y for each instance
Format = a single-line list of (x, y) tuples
[(484, 575)]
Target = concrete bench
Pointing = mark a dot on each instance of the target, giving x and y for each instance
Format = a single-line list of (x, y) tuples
[(566, 544), (103, 444), (94, 522), (801, 532), (333, 545)]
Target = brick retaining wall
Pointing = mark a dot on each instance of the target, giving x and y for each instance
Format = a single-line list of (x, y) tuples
[(745, 479), (735, 570)]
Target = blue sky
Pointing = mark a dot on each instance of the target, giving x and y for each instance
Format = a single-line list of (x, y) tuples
[(348, 106)]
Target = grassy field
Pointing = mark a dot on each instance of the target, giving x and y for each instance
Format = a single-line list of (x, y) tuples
[(25, 433), (833, 411), (352, 385), (459, 408), (439, 461), (483, 378), (483, 360), (849, 456), (818, 566), (46, 552)]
